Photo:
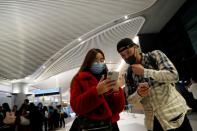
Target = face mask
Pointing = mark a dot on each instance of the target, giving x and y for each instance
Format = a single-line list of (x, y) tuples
[(131, 60), (97, 68)]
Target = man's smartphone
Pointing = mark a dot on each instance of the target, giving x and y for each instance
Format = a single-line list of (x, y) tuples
[(113, 75)]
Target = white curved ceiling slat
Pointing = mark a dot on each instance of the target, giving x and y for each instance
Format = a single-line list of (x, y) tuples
[(37, 32), (77, 53)]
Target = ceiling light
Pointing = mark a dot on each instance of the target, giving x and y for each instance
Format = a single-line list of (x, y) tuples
[(26, 78), (43, 67), (126, 17), (79, 39), (136, 39)]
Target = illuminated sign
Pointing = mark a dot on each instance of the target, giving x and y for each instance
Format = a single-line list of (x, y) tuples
[(45, 91)]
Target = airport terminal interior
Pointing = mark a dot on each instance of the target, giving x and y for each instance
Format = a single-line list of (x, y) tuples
[(43, 44)]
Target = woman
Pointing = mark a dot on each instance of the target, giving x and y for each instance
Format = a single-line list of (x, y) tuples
[(95, 98), (7, 118)]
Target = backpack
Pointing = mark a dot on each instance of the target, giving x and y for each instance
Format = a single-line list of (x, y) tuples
[(130, 84), (9, 118)]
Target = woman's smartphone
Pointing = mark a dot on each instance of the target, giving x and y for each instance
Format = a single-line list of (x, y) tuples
[(113, 75)]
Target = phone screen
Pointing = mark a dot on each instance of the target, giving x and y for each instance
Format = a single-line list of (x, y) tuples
[(113, 75)]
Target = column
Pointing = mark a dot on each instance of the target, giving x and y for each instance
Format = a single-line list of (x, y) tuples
[(19, 90)]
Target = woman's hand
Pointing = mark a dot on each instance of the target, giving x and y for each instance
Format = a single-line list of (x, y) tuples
[(105, 85), (116, 86)]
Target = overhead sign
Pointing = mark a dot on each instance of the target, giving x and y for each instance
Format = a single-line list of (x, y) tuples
[(45, 91)]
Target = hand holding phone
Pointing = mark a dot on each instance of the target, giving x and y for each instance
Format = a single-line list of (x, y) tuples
[(113, 75)]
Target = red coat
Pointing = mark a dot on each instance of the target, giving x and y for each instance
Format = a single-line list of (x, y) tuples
[(86, 102)]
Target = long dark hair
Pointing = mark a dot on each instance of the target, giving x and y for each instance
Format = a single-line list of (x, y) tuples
[(6, 107), (89, 60)]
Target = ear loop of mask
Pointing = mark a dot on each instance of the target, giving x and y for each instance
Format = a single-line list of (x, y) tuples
[(137, 51), (134, 54)]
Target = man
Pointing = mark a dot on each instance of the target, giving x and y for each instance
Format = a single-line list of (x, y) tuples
[(24, 106), (151, 82)]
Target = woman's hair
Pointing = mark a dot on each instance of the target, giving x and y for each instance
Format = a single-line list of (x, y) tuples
[(6, 107), (90, 58)]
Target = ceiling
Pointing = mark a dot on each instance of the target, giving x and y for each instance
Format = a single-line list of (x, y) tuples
[(42, 38), (32, 31)]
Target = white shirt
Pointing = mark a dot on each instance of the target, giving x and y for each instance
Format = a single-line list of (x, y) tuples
[(193, 89)]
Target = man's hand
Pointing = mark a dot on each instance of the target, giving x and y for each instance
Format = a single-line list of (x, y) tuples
[(143, 89), (138, 69)]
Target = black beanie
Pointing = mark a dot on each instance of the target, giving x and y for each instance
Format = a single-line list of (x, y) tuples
[(124, 44)]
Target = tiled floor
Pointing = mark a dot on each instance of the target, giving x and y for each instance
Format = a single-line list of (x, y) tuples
[(130, 122)]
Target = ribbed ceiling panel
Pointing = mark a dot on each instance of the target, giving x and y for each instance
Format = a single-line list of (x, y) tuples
[(105, 40), (32, 31)]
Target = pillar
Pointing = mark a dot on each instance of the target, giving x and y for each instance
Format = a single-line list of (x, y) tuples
[(19, 90)]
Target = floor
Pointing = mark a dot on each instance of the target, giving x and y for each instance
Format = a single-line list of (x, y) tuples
[(134, 122), (193, 120)]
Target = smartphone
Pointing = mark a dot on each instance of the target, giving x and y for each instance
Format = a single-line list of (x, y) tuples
[(113, 75)]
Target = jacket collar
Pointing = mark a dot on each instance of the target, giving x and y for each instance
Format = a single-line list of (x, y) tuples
[(86, 75)]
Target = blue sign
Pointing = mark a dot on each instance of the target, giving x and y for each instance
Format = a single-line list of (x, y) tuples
[(45, 91)]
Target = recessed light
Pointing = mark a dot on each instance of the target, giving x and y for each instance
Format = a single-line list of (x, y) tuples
[(26, 78), (79, 39), (126, 17)]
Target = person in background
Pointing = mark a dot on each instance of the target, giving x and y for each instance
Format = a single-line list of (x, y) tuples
[(24, 113), (1, 112), (40, 106), (25, 105), (50, 118), (7, 118), (14, 109), (36, 118), (61, 113), (45, 112), (193, 87), (94, 97), (151, 82)]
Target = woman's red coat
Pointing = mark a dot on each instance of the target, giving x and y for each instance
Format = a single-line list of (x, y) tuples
[(86, 102)]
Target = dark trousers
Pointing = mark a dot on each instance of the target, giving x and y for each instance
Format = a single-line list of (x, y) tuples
[(184, 127), (75, 126), (115, 127)]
